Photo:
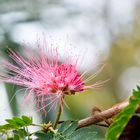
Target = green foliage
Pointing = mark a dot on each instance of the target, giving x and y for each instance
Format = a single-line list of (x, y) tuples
[(27, 120), (121, 119), (16, 127), (16, 123), (43, 136), (68, 131)]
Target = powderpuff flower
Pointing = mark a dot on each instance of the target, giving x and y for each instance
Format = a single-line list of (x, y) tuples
[(45, 78)]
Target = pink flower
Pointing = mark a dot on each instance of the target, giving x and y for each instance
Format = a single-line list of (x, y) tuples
[(48, 80)]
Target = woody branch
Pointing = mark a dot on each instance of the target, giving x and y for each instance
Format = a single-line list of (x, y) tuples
[(102, 116)]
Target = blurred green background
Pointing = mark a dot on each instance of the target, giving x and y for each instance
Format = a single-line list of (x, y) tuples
[(105, 31)]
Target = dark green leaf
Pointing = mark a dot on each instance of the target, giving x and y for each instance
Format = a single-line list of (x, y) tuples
[(10, 139), (21, 132), (82, 134), (71, 128), (16, 137), (68, 132), (64, 126), (43, 136)]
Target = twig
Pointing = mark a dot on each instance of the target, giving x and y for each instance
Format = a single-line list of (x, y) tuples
[(58, 117), (102, 116)]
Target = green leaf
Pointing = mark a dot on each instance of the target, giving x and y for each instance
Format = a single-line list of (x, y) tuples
[(68, 132), (43, 136), (6, 127), (16, 126), (121, 119), (10, 121), (10, 139), (13, 123), (64, 126), (27, 120), (16, 137), (83, 134), (71, 128), (19, 121), (21, 132)]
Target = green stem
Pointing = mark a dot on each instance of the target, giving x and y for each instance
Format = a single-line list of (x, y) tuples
[(40, 125), (28, 134), (58, 117)]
